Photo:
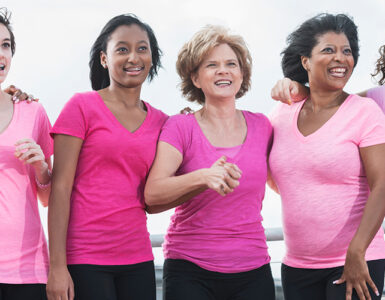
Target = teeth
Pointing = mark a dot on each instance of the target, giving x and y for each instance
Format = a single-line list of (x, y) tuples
[(338, 70), (133, 69), (223, 82), (2, 67)]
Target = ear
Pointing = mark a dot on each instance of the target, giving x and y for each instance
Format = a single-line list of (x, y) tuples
[(195, 80), (103, 60), (305, 62)]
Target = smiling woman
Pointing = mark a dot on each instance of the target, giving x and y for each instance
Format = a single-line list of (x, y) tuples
[(336, 143)]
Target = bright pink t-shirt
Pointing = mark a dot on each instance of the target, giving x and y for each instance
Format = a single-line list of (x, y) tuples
[(23, 247), (322, 181), (107, 224), (222, 234), (378, 95)]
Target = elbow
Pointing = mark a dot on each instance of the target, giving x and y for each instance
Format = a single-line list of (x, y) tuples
[(149, 197)]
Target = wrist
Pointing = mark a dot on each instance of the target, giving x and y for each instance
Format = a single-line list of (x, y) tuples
[(356, 249)]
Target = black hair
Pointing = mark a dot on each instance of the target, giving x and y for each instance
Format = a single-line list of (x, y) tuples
[(5, 17), (302, 41), (98, 75), (380, 66)]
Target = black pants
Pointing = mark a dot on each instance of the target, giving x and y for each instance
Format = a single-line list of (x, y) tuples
[(121, 282), (183, 280), (22, 291), (317, 284)]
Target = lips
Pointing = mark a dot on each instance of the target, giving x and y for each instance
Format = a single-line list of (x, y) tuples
[(339, 72), (223, 82), (134, 70), (2, 67)]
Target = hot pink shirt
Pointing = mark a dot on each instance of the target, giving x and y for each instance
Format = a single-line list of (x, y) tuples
[(378, 95), (23, 247), (322, 181), (222, 234), (107, 224)]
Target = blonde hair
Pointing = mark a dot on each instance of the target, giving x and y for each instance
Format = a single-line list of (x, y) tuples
[(194, 52)]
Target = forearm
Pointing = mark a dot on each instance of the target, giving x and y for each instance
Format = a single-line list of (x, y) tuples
[(174, 189), (43, 176), (58, 216), (371, 221)]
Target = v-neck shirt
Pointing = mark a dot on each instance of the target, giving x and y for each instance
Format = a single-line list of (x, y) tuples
[(322, 181), (222, 234), (23, 247), (107, 224)]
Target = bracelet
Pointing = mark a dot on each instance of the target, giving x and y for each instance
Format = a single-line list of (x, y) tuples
[(44, 186)]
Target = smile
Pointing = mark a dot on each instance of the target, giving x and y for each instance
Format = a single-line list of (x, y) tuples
[(2, 67), (133, 70), (338, 72), (223, 82)]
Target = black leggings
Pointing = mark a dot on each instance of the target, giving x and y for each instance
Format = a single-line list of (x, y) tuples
[(22, 291), (183, 280), (317, 284), (121, 282)]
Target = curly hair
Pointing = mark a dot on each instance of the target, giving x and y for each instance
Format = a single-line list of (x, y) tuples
[(302, 41), (5, 17), (194, 52), (98, 75), (380, 66)]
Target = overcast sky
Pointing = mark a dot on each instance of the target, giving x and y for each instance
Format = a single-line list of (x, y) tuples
[(54, 38)]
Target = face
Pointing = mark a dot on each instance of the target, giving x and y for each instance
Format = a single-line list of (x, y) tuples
[(5, 52), (331, 62), (128, 56), (219, 75)]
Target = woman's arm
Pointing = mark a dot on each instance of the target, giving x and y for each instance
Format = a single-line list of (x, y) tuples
[(287, 91), (66, 153), (165, 190), (356, 272), (29, 152)]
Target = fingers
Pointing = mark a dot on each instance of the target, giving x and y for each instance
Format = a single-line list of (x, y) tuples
[(187, 110), (22, 141), (220, 162), (349, 291), (71, 291), (10, 90), (281, 91), (372, 286)]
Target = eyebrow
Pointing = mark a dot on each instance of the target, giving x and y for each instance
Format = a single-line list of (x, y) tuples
[(140, 42), (6, 40)]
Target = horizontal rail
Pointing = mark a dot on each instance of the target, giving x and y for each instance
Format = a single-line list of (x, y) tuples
[(272, 234)]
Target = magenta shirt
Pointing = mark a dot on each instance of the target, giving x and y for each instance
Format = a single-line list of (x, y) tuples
[(322, 181), (107, 224), (23, 247), (222, 234)]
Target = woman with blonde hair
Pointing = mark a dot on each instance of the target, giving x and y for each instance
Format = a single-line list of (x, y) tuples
[(213, 165)]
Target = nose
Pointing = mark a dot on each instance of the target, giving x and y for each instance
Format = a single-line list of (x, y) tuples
[(339, 56), (133, 57), (222, 69)]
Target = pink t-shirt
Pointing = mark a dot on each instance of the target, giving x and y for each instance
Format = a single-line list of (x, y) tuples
[(322, 181), (23, 247), (107, 224), (378, 95), (222, 234)]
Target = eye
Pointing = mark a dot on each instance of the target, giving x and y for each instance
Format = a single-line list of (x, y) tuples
[(347, 51), (122, 50), (143, 48), (6, 45), (210, 65), (327, 50), (232, 64)]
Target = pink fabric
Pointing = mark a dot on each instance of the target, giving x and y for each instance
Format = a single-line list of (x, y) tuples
[(23, 247), (222, 234), (322, 181), (378, 95), (107, 224)]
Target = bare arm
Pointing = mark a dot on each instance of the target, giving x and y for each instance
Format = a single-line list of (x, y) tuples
[(356, 272), (164, 190), (67, 149), (44, 177)]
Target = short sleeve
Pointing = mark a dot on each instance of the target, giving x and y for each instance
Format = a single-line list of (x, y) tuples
[(372, 128), (43, 126), (72, 120), (378, 95), (173, 133)]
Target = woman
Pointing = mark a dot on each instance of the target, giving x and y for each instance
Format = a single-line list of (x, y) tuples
[(332, 225), (25, 167), (105, 142), (213, 165)]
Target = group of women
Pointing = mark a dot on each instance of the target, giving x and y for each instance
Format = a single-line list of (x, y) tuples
[(117, 157)]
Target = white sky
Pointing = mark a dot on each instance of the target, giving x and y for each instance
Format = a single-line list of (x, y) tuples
[(54, 39)]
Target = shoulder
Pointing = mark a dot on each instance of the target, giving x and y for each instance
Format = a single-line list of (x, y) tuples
[(378, 95), (84, 97), (31, 109), (361, 104), (156, 113)]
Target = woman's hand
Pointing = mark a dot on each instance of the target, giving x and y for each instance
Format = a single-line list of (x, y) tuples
[(287, 91), (356, 275), (222, 177), (60, 285), (18, 95), (29, 152)]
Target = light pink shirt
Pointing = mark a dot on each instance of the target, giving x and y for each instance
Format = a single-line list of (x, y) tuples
[(107, 224), (222, 234), (23, 248), (378, 95), (322, 181)]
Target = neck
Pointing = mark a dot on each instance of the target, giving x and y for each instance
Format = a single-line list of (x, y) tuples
[(215, 112), (129, 96), (320, 100)]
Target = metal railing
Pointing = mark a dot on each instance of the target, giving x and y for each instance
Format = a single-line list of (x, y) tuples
[(272, 234)]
